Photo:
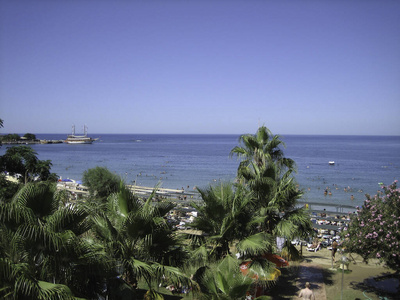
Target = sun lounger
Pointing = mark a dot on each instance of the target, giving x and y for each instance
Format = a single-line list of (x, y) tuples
[(314, 249)]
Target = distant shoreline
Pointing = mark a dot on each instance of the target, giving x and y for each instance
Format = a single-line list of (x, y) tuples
[(32, 142), (234, 134)]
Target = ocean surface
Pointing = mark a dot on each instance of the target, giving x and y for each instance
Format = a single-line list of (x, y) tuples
[(186, 161)]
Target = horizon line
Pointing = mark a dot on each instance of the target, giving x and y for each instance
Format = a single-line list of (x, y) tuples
[(238, 134)]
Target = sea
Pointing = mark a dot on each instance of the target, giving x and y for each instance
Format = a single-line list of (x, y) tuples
[(362, 163)]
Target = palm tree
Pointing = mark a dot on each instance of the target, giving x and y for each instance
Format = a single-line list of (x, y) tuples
[(274, 192), (222, 280), (268, 177), (227, 220), (43, 251), (261, 148), (23, 160), (139, 239)]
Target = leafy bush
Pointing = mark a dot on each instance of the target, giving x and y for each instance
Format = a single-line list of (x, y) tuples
[(23, 162), (101, 181), (30, 136), (10, 137), (375, 231)]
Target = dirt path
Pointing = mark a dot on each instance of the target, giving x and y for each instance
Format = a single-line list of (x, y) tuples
[(315, 276)]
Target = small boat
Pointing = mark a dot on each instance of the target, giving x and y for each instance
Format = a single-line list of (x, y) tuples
[(79, 139), (331, 162)]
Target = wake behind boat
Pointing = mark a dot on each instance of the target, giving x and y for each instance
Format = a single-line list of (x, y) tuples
[(79, 139)]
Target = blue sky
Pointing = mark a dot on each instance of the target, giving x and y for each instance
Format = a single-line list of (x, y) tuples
[(298, 67)]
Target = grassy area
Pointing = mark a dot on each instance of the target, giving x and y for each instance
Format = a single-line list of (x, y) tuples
[(354, 286)]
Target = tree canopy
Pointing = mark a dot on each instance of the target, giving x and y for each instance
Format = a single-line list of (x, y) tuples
[(268, 176), (12, 137), (374, 232), (23, 162), (101, 181), (43, 251), (248, 216), (29, 136)]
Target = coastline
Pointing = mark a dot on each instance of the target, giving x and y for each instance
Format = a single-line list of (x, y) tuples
[(178, 161), (32, 142)]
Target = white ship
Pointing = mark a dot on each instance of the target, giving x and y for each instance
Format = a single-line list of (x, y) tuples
[(79, 139)]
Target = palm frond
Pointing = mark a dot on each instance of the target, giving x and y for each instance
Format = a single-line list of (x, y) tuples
[(175, 275), (48, 290), (6, 270), (153, 295), (223, 280), (69, 217), (199, 256), (140, 268), (103, 228), (38, 197), (285, 228), (25, 286), (256, 244)]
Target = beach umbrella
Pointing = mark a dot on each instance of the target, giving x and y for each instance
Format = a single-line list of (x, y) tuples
[(67, 180), (259, 276), (276, 259), (248, 271)]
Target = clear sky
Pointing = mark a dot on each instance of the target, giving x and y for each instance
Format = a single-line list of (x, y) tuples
[(298, 67)]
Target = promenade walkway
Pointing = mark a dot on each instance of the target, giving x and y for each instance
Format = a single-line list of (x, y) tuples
[(166, 193)]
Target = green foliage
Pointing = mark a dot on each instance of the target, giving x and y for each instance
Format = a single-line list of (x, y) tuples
[(29, 136), (222, 280), (248, 216), (374, 232), (138, 238), (261, 149), (268, 176), (225, 216), (7, 188), (101, 182), (23, 161), (43, 252), (153, 295), (13, 137)]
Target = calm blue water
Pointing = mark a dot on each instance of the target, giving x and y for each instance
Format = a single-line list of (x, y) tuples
[(198, 160)]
